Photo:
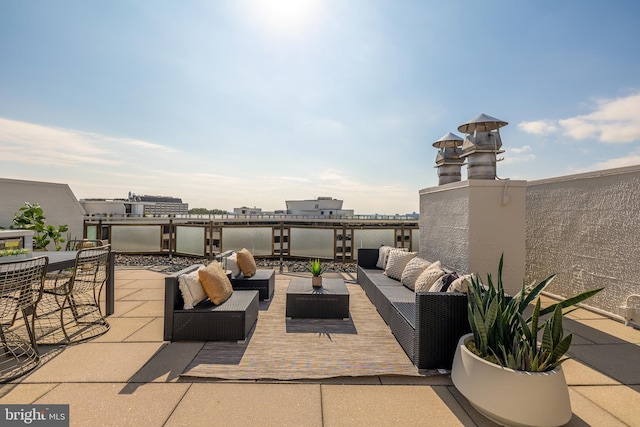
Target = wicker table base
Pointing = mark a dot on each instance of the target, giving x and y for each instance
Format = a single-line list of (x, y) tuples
[(331, 301)]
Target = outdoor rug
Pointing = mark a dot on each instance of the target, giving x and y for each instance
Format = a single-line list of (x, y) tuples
[(281, 348)]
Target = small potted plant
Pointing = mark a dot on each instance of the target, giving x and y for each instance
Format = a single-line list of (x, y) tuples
[(316, 268), (502, 368)]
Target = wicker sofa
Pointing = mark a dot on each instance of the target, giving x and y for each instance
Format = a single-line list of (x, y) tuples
[(229, 321), (427, 325)]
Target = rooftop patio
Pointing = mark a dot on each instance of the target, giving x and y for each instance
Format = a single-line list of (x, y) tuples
[(130, 376)]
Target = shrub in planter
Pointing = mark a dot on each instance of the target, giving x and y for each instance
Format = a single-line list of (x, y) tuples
[(504, 337)]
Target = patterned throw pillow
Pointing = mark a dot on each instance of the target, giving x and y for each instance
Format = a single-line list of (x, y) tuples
[(398, 260), (191, 289), (443, 283), (246, 262), (425, 281), (411, 272), (215, 283), (383, 255), (461, 284)]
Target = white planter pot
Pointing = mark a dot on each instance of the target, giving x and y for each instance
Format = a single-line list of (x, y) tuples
[(508, 397)]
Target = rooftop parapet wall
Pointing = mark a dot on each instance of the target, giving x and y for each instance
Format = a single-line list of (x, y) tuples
[(468, 225), (585, 228)]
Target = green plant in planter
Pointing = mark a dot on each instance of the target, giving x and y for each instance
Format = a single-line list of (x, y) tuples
[(501, 333), (316, 268), (31, 217)]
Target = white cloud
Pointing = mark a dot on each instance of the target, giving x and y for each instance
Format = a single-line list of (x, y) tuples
[(519, 155), (631, 160), (538, 127), (34, 144), (523, 149), (613, 121)]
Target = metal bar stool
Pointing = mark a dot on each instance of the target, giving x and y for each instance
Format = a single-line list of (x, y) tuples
[(21, 285)]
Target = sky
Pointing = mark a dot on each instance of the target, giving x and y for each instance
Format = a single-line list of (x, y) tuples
[(232, 103)]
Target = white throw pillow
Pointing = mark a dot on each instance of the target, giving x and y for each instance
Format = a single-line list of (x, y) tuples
[(232, 264), (383, 254), (191, 288), (461, 284), (411, 272), (425, 281), (397, 261)]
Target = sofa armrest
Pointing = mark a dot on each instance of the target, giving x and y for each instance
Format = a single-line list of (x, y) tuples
[(173, 298), (441, 319), (368, 257)]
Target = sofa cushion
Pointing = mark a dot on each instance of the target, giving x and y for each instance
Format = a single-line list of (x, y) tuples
[(383, 254), (215, 283), (425, 281), (398, 260), (191, 289), (246, 262), (411, 272)]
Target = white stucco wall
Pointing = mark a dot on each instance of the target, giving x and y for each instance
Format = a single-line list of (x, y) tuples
[(58, 202), (585, 228), (468, 225)]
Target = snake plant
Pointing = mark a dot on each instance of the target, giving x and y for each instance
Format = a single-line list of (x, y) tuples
[(503, 335)]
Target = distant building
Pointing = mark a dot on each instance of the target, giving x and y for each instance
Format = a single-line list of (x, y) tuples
[(136, 206), (247, 211), (322, 206)]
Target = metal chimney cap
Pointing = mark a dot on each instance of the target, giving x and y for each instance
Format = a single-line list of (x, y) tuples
[(482, 123), (449, 140)]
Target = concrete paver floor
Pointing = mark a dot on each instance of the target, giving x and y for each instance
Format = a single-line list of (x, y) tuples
[(130, 377)]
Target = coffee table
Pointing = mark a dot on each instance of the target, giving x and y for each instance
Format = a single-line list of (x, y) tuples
[(331, 301)]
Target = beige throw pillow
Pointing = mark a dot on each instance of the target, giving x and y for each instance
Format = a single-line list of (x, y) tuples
[(398, 260), (425, 281), (411, 272), (191, 289), (246, 262), (215, 283)]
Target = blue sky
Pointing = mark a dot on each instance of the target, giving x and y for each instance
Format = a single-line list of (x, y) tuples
[(246, 102)]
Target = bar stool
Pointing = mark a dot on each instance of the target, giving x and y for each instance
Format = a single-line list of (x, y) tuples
[(21, 285)]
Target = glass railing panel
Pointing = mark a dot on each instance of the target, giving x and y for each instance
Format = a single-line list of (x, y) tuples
[(92, 232), (415, 240), (190, 240), (372, 239), (136, 238), (256, 240), (311, 242)]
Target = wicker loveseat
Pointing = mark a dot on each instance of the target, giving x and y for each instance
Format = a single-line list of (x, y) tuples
[(427, 325), (230, 321)]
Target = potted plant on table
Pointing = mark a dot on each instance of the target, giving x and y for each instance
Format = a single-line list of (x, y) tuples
[(501, 368), (316, 268)]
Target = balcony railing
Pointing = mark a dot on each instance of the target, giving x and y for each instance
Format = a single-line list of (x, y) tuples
[(265, 236)]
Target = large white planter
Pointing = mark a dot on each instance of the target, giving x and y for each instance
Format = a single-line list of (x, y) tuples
[(508, 397)]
